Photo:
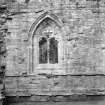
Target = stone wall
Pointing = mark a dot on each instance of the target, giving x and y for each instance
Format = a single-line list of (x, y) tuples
[(82, 69), (3, 33)]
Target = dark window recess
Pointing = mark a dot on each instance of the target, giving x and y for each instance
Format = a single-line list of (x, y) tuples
[(48, 51), (43, 50), (53, 51)]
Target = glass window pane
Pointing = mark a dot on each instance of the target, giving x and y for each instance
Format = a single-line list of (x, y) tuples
[(53, 51), (43, 50)]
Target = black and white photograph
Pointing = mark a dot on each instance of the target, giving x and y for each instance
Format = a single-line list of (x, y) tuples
[(52, 52)]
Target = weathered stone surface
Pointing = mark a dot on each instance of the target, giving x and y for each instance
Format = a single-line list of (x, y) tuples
[(59, 103), (57, 100), (3, 31), (59, 85), (83, 42), (79, 25)]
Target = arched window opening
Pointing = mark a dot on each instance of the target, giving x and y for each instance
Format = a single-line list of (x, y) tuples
[(45, 44)]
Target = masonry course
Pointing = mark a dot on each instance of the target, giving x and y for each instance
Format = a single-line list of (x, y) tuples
[(81, 26)]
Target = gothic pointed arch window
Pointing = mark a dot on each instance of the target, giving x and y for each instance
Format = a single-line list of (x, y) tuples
[(47, 44)]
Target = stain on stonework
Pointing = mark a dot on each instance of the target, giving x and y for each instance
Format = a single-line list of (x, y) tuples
[(21, 60), (27, 1)]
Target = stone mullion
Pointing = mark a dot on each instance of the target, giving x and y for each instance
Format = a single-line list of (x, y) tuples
[(48, 50)]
